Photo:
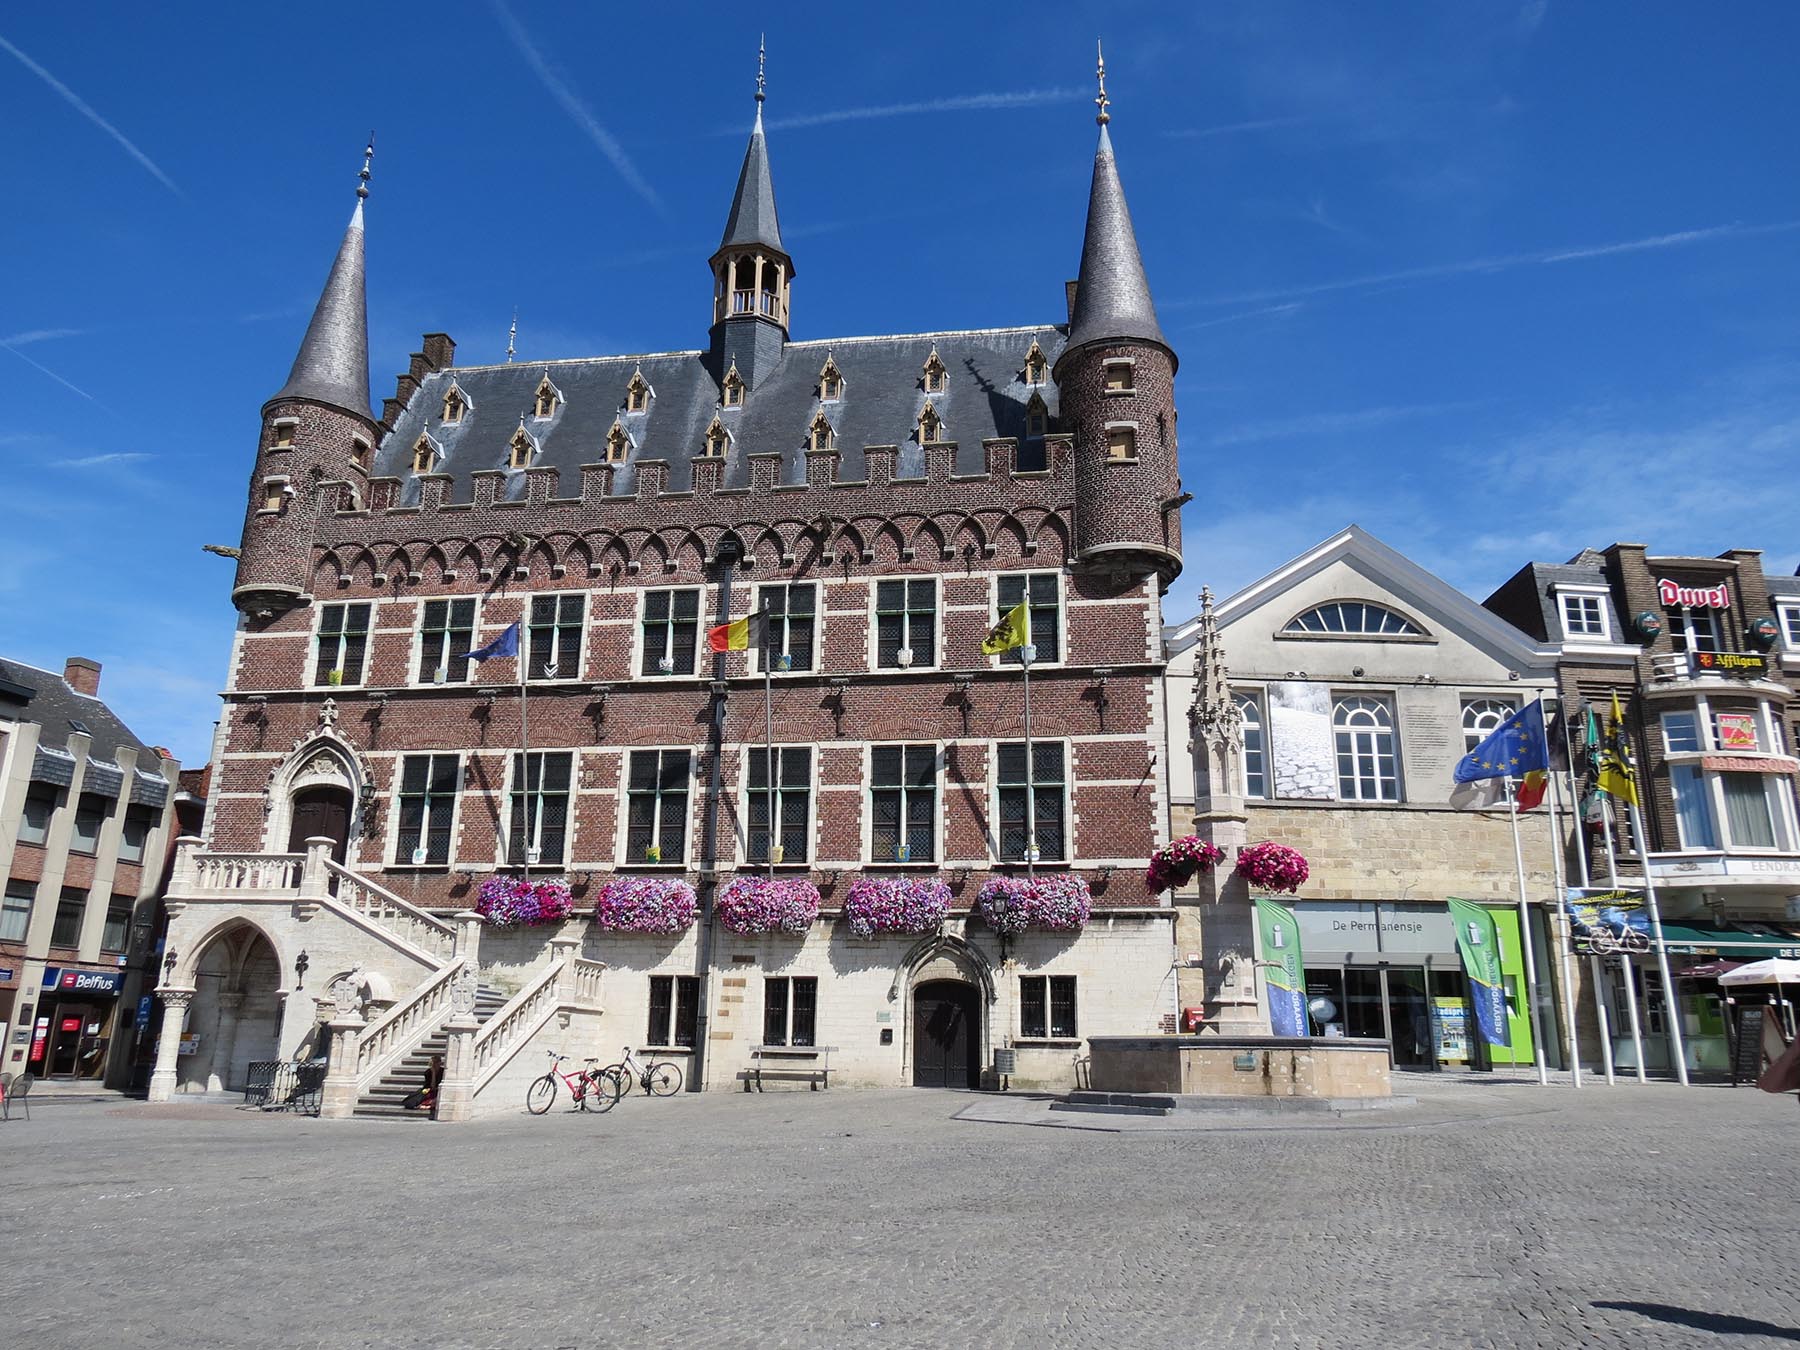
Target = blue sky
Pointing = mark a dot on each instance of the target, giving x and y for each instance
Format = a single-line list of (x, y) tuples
[(1495, 281)]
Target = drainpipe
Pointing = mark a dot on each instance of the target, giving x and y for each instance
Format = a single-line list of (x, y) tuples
[(727, 562)]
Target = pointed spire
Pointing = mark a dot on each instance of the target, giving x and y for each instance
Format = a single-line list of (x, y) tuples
[(1112, 297), (1215, 714), (752, 219), (511, 335), (333, 364)]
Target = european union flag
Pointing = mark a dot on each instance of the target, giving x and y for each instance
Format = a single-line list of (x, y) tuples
[(507, 644), (1516, 747)]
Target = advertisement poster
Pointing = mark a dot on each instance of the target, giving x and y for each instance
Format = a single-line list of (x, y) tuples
[(1284, 974), (39, 1034), (1450, 1030), (1479, 943)]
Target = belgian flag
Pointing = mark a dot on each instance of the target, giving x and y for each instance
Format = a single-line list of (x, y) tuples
[(733, 636)]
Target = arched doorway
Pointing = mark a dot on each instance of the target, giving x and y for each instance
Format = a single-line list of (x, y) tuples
[(321, 810), (235, 1017), (946, 1040)]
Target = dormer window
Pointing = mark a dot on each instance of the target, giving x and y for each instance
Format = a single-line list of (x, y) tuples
[(935, 373), (820, 436), (732, 391), (521, 450), (1119, 376), (831, 382), (455, 405), (931, 426), (424, 456), (284, 434), (637, 393), (1037, 366), (717, 438), (547, 398), (618, 444), (1037, 417)]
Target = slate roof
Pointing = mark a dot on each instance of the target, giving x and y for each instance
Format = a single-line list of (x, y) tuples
[(985, 396), (1112, 296), (752, 219), (333, 364), (47, 699), (1585, 569)]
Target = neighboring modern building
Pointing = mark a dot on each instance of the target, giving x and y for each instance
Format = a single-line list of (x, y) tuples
[(86, 815), (884, 498), (1704, 656), (1325, 707)]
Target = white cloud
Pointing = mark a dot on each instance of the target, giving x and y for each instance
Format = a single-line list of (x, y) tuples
[(96, 461)]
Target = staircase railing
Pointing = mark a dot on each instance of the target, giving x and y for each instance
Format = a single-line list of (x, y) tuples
[(388, 911), (199, 875), (397, 1033), (585, 981), (503, 1033)]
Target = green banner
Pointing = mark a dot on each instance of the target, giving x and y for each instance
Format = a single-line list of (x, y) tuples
[(1285, 976), (1479, 942)]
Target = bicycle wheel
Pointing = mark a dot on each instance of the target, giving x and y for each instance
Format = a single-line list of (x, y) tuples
[(617, 1073), (540, 1094), (603, 1091), (664, 1079)]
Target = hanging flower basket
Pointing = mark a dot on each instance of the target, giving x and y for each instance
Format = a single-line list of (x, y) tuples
[(514, 902), (1179, 861), (754, 905), (896, 905), (646, 905), (1056, 903), (1272, 867)]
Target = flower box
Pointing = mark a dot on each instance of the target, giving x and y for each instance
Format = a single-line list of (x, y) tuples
[(755, 905), (514, 902), (1272, 867), (1179, 861), (1056, 903), (663, 905), (896, 905)]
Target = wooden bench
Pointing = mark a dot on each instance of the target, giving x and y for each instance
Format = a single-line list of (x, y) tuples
[(812, 1062)]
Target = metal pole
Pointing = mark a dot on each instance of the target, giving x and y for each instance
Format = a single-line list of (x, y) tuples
[(1676, 1047), (769, 745), (530, 818), (1030, 769), (1606, 1054), (1581, 852), (1631, 1007), (1525, 944), (1565, 964)]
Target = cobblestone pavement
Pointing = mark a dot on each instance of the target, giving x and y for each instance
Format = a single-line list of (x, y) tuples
[(1488, 1215)]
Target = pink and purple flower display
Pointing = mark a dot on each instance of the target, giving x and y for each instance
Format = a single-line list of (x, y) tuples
[(514, 902), (1055, 902), (1272, 867), (896, 905), (1177, 862), (663, 905), (754, 905)]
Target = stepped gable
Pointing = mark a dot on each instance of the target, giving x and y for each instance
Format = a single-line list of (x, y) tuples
[(985, 397)]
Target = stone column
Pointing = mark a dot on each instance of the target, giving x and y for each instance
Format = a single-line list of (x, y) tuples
[(315, 882), (338, 1100), (565, 950), (456, 1094), (468, 937), (168, 1041)]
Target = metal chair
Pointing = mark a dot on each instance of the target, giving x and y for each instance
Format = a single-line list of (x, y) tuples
[(6, 1082), (16, 1094)]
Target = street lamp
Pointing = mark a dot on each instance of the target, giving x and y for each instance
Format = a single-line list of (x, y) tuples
[(169, 966), (301, 962)]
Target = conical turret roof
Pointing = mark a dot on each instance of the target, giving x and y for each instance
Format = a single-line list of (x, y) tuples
[(1112, 297), (333, 364), (752, 219)]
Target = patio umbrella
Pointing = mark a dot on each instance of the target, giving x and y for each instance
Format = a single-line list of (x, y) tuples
[(1776, 970)]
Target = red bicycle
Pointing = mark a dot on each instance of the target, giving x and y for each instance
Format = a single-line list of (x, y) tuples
[(591, 1088)]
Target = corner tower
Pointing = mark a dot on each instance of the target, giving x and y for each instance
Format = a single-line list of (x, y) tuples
[(317, 435), (752, 274), (1117, 380)]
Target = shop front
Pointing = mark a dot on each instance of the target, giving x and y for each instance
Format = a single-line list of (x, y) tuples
[(72, 1028), (1391, 970)]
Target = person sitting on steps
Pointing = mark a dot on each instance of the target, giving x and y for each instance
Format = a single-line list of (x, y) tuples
[(426, 1098)]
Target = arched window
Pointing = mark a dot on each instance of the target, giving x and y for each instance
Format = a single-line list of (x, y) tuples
[(547, 397), (521, 450), (1367, 754), (732, 390), (1256, 761), (820, 436), (934, 373), (831, 382), (1036, 366), (618, 444), (1480, 718), (424, 455), (1037, 416), (717, 438), (454, 406), (637, 393), (1353, 618), (931, 426)]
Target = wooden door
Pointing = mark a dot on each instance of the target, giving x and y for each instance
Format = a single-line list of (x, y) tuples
[(321, 811), (946, 1041)]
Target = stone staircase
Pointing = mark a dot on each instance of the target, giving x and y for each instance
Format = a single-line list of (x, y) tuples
[(383, 1100)]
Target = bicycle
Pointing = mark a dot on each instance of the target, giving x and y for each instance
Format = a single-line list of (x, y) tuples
[(659, 1078), (591, 1089)]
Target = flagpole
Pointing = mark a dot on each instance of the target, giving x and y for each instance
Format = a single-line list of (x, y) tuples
[(1672, 1006), (1027, 654), (768, 744), (1525, 942), (1599, 978), (1559, 927), (525, 746), (1581, 852)]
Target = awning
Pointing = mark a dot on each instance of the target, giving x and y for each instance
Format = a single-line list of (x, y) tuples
[(1707, 970), (1744, 942)]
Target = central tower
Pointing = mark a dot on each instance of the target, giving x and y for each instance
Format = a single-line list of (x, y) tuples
[(752, 273)]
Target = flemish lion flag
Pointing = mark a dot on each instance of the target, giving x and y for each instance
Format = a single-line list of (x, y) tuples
[(733, 636), (1616, 777), (1013, 630)]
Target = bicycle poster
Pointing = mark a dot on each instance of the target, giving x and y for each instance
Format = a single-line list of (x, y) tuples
[(1608, 920)]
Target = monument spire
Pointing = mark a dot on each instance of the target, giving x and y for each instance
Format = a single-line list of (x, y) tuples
[(333, 364)]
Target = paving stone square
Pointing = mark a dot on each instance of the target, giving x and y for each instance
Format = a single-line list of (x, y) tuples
[(1491, 1214)]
